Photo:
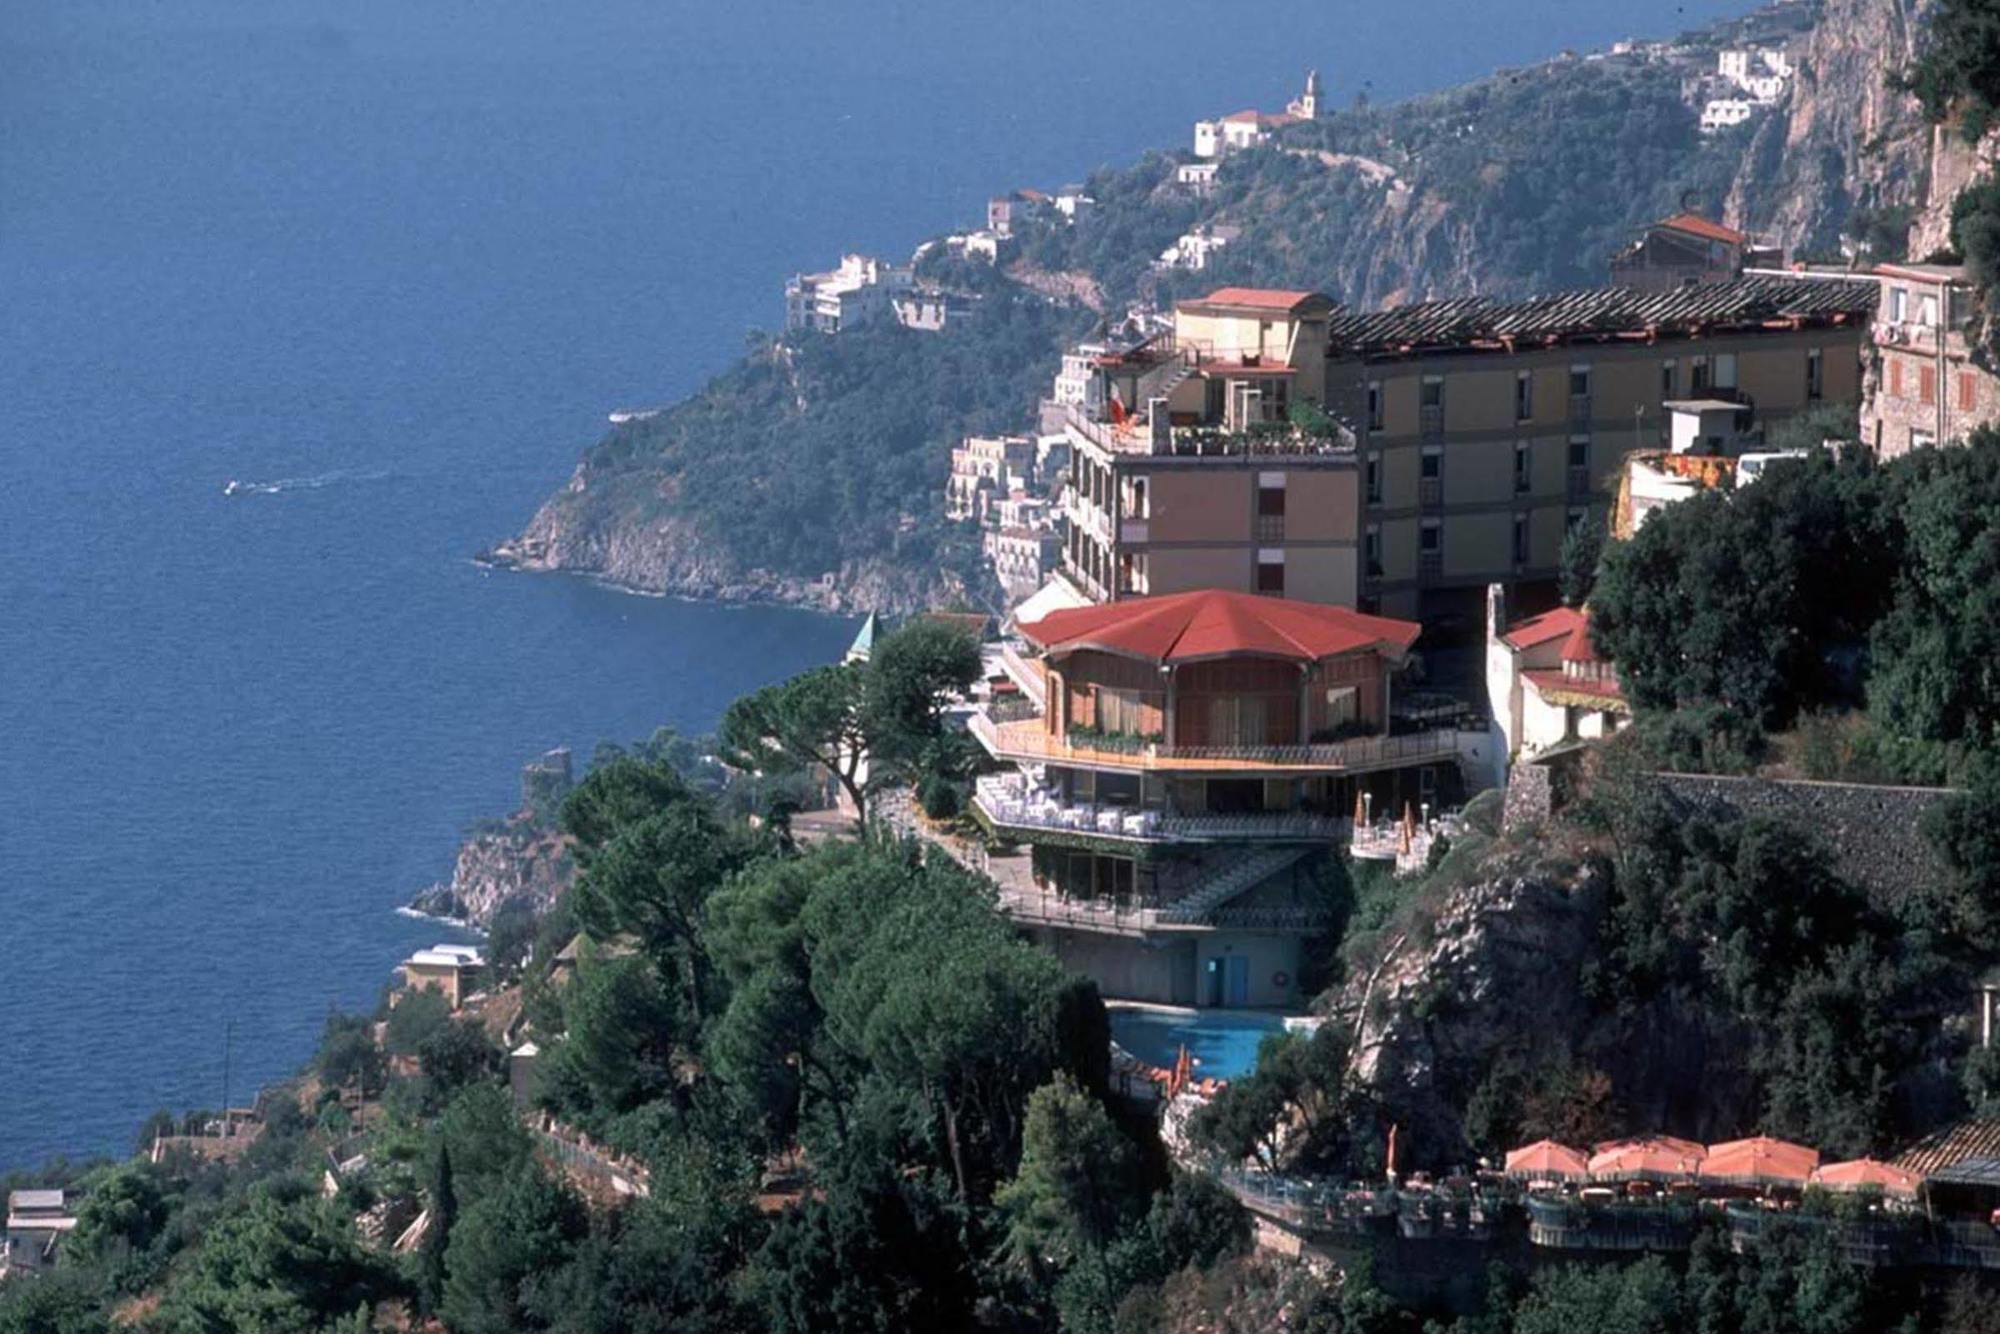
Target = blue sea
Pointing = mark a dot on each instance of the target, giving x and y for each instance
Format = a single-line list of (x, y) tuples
[(392, 263)]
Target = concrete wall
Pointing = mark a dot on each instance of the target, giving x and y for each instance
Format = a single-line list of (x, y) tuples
[(1125, 968), (1201, 505), (1271, 957)]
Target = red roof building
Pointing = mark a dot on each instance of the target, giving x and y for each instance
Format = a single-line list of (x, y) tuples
[(1215, 623), (1545, 680)]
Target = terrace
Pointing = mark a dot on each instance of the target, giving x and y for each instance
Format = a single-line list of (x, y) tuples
[(1029, 741), (1012, 803)]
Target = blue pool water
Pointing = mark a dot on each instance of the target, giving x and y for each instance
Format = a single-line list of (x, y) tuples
[(1223, 1043)]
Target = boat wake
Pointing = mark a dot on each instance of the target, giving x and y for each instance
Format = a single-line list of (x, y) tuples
[(279, 487)]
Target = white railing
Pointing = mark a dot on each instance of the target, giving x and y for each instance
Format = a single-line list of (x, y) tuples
[(1011, 804)]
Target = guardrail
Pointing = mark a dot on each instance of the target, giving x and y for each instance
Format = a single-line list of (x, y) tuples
[(1022, 741)]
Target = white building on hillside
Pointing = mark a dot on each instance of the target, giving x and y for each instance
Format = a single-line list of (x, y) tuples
[(1724, 112), (856, 292), (1196, 247)]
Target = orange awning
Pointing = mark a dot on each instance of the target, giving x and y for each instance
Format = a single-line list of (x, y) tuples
[(1548, 1160), (1759, 1161), (1866, 1173)]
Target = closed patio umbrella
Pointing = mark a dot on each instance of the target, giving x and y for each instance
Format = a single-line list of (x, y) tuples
[(1865, 1174), (1759, 1161), (1546, 1160)]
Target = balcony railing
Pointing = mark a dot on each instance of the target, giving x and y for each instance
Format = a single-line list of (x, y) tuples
[(1430, 565), (1030, 741), (1430, 492), (1579, 482), (1430, 421), (1013, 804), (1270, 527), (1579, 409)]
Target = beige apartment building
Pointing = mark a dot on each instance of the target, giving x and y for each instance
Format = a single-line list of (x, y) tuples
[(1188, 470), (1488, 430), (1460, 439)]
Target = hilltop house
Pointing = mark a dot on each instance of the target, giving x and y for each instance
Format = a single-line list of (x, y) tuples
[(1925, 387), (37, 1220), (1687, 250), (1176, 765), (856, 292), (1251, 129), (450, 970)]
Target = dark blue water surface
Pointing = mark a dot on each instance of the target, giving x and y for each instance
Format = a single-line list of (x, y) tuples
[(402, 258)]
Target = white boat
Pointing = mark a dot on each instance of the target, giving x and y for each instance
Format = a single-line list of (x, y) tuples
[(231, 487)]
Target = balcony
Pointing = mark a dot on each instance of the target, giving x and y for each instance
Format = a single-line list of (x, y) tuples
[(1027, 741), (1578, 482), (1579, 410), (1014, 805), (1430, 565), (1430, 421), (1430, 492), (1270, 528)]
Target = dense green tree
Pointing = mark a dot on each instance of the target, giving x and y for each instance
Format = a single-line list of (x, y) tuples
[(622, 791), (1077, 1185), (1290, 1105), (456, 1055), (1582, 552), (619, 1052), (58, 1303), (814, 722), (911, 674), (868, 1254), (418, 1014), (1735, 598), (124, 1211), (1937, 652), (284, 1262), (442, 1203), (510, 934), (503, 1247), (347, 1055)]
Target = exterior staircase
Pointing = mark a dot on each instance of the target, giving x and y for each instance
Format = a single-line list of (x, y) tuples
[(1247, 874)]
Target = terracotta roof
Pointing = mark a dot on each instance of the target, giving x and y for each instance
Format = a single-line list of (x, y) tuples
[(1578, 648), (1696, 225), (1557, 624), (1216, 623), (1760, 1159), (1259, 298), (1546, 1158)]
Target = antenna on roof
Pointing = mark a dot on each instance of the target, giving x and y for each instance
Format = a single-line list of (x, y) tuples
[(228, 1035)]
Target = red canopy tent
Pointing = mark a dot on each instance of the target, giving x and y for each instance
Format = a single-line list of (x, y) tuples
[(1651, 1159)]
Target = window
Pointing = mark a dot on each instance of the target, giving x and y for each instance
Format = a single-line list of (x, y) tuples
[(1433, 465), (1922, 439), (1524, 396), (1374, 405), (1698, 376), (1521, 467), (1373, 479), (1899, 304), (1433, 392), (1237, 720), (1669, 380), (1927, 310), (1895, 377), (1573, 520), (1271, 573), (1271, 501), (1927, 384), (1815, 374), (1342, 705), (1579, 452), (1968, 392), (1579, 382), (1430, 539), (1725, 370), (1371, 550), (1520, 539), (1118, 711)]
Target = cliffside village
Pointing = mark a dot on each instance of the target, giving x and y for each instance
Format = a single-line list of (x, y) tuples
[(1221, 548)]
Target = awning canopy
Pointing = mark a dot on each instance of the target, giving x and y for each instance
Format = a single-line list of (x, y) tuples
[(1866, 1174), (1548, 1160), (1759, 1161), (1216, 623)]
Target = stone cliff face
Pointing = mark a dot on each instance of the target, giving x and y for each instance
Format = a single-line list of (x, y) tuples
[(1844, 139), (1494, 971), (576, 531), (518, 861)]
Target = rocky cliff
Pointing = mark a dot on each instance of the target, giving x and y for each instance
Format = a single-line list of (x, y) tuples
[(520, 860)]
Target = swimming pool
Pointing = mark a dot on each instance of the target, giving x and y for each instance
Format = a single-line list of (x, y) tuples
[(1222, 1043)]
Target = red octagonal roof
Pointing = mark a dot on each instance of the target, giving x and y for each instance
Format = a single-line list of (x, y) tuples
[(1215, 623)]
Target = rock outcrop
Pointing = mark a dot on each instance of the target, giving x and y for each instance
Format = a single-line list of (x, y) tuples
[(520, 860), (1491, 971)]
